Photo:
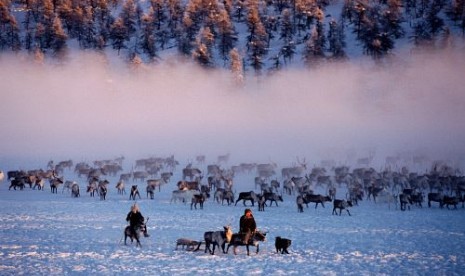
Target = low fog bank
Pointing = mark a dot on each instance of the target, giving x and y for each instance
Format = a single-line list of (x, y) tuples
[(91, 107)]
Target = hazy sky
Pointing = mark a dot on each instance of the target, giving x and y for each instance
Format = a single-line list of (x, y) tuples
[(89, 107)]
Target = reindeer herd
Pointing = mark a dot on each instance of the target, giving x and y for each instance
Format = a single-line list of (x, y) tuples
[(441, 184), (342, 186)]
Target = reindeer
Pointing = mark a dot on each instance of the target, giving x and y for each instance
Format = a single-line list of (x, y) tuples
[(261, 202), (39, 183), (102, 189), (247, 196), (236, 240), (297, 171), (166, 176), (66, 186), (200, 159), (189, 185), (140, 175), (266, 170), (54, 183), (75, 190), (183, 195), (317, 199), (300, 203), (228, 196), (190, 172), (134, 193), (223, 158), (17, 182), (92, 187), (120, 187), (125, 177), (272, 197), (341, 205), (217, 238), (405, 201), (373, 191), (198, 199)]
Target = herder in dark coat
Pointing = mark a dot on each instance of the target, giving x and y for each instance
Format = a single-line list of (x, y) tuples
[(247, 225), (136, 220)]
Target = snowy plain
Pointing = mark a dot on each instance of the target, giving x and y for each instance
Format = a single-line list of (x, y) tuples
[(106, 111), (54, 234)]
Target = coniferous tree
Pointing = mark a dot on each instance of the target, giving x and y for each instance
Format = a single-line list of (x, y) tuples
[(303, 15), (226, 34), (202, 52), (287, 35), (147, 40), (228, 6), (456, 13), (281, 5), (39, 56), (119, 34), (158, 13), (256, 40), (77, 23), (58, 40), (270, 23), (135, 62), (103, 20), (192, 21), (129, 16), (422, 36), (47, 18), (277, 64), (39, 38), (434, 21), (287, 30), (88, 28), (391, 19), (446, 41), (313, 53), (187, 35), (237, 68), (175, 11), (428, 27), (257, 48), (336, 41), (65, 11), (240, 9), (359, 12), (207, 37), (9, 30)]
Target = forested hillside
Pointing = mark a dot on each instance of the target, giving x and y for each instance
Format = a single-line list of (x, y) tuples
[(253, 35)]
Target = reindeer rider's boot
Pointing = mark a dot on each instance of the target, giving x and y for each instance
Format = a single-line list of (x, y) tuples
[(246, 237)]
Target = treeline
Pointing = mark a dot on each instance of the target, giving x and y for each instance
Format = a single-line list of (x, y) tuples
[(236, 34)]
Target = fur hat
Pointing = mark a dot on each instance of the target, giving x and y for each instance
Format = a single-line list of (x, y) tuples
[(247, 211)]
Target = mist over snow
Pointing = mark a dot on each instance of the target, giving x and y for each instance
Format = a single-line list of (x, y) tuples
[(91, 106)]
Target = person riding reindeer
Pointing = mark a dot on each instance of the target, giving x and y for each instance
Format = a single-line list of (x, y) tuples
[(136, 220), (247, 225)]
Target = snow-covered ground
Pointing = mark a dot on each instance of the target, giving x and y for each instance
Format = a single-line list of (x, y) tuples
[(54, 234)]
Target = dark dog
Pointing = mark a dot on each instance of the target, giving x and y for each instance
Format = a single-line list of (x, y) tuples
[(282, 245)]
